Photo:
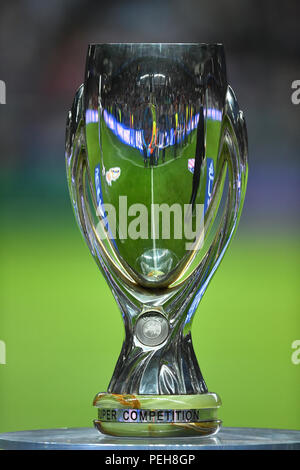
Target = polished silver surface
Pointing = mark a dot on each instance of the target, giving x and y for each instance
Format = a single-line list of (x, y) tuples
[(89, 438), (151, 329), (132, 415), (157, 124)]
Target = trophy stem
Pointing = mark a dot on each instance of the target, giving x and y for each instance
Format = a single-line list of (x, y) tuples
[(171, 368), (157, 390)]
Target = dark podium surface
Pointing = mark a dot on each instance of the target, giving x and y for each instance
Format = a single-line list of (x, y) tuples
[(89, 438)]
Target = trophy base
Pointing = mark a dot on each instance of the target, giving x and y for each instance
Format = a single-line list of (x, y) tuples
[(157, 415)]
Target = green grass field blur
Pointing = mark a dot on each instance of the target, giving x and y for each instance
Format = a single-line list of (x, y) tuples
[(63, 330)]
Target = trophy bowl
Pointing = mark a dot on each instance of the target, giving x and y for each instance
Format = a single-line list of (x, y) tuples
[(156, 157)]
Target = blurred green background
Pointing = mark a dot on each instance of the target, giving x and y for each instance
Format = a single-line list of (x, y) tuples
[(60, 325), (63, 330)]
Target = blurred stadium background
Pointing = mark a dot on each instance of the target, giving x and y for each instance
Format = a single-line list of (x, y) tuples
[(59, 322)]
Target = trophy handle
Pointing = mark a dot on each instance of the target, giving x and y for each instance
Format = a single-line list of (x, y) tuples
[(233, 151), (76, 167)]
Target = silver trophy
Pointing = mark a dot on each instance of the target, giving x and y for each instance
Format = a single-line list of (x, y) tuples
[(156, 156)]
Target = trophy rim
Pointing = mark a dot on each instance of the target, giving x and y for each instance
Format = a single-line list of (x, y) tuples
[(183, 44)]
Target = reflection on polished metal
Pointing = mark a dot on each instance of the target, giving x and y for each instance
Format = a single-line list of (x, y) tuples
[(156, 155)]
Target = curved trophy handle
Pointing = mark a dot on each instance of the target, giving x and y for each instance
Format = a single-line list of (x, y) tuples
[(75, 155), (233, 151)]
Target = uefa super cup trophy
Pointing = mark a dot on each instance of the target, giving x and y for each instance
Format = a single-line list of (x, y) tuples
[(156, 155)]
